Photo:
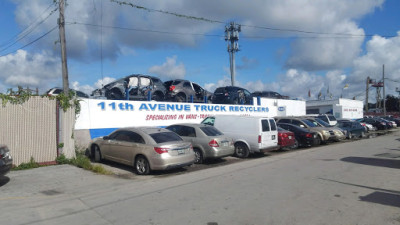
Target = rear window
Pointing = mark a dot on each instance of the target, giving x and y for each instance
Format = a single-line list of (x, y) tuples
[(176, 82), (220, 90), (265, 125), (332, 118), (211, 131), (273, 124), (310, 124), (165, 137)]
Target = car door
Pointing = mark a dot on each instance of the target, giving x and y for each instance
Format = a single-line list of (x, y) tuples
[(121, 148), (248, 98), (199, 92), (268, 133)]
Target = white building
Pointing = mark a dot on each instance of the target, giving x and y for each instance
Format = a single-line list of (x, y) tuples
[(340, 108)]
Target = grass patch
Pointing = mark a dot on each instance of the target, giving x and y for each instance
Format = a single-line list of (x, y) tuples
[(82, 161), (30, 165)]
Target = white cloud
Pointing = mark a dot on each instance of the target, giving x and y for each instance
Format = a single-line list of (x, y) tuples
[(29, 70), (226, 81), (170, 69)]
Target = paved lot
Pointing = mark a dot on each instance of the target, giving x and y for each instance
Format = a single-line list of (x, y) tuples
[(348, 183)]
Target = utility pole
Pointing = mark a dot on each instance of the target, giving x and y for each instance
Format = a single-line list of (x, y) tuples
[(398, 92), (366, 95), (61, 25), (384, 94), (232, 36)]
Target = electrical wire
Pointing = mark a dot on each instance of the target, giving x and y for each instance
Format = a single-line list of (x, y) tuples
[(28, 31), (37, 39), (244, 25)]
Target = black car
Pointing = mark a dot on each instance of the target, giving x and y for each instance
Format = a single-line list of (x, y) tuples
[(5, 160), (380, 125), (303, 137), (390, 118), (232, 95), (183, 91), (57, 90), (268, 94), (138, 87)]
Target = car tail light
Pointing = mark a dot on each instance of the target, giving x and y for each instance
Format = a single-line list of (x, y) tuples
[(161, 150), (309, 135), (213, 143), (259, 138), (172, 88)]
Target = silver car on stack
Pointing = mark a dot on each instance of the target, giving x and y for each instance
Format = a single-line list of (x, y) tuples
[(207, 141), (144, 148)]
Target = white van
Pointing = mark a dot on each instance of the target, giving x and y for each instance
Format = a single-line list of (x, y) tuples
[(329, 118), (250, 134)]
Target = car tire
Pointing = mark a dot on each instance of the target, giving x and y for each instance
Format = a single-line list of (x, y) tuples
[(362, 135), (142, 166), (198, 156), (295, 146), (318, 141), (96, 154), (241, 150), (180, 97), (156, 97), (350, 136), (114, 95)]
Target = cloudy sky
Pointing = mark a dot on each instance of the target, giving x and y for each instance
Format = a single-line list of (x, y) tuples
[(288, 46)]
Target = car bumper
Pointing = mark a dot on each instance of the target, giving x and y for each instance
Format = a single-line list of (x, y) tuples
[(5, 166), (221, 152), (166, 162)]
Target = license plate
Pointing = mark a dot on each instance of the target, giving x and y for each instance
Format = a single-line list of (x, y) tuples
[(181, 151), (290, 137), (225, 143)]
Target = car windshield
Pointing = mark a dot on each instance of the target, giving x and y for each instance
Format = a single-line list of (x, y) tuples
[(323, 123), (332, 118), (311, 124), (211, 131), (165, 137)]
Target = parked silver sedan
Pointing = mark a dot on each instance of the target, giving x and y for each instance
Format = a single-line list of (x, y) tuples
[(207, 141), (144, 148)]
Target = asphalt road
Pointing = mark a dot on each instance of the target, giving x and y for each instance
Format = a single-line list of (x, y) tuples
[(346, 183)]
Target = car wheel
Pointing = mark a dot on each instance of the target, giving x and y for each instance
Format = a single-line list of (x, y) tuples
[(362, 135), (157, 97), (198, 156), (241, 150), (350, 135), (180, 98), (296, 145), (97, 154), (114, 95), (318, 140), (142, 166)]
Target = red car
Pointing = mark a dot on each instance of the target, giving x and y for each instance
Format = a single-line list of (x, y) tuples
[(286, 139)]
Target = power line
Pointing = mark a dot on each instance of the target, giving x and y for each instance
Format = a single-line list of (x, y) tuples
[(28, 27), (28, 31), (244, 25), (196, 34), (37, 39), (144, 30)]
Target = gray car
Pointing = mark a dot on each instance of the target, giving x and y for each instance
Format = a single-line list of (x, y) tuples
[(207, 141), (5, 160), (144, 148)]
